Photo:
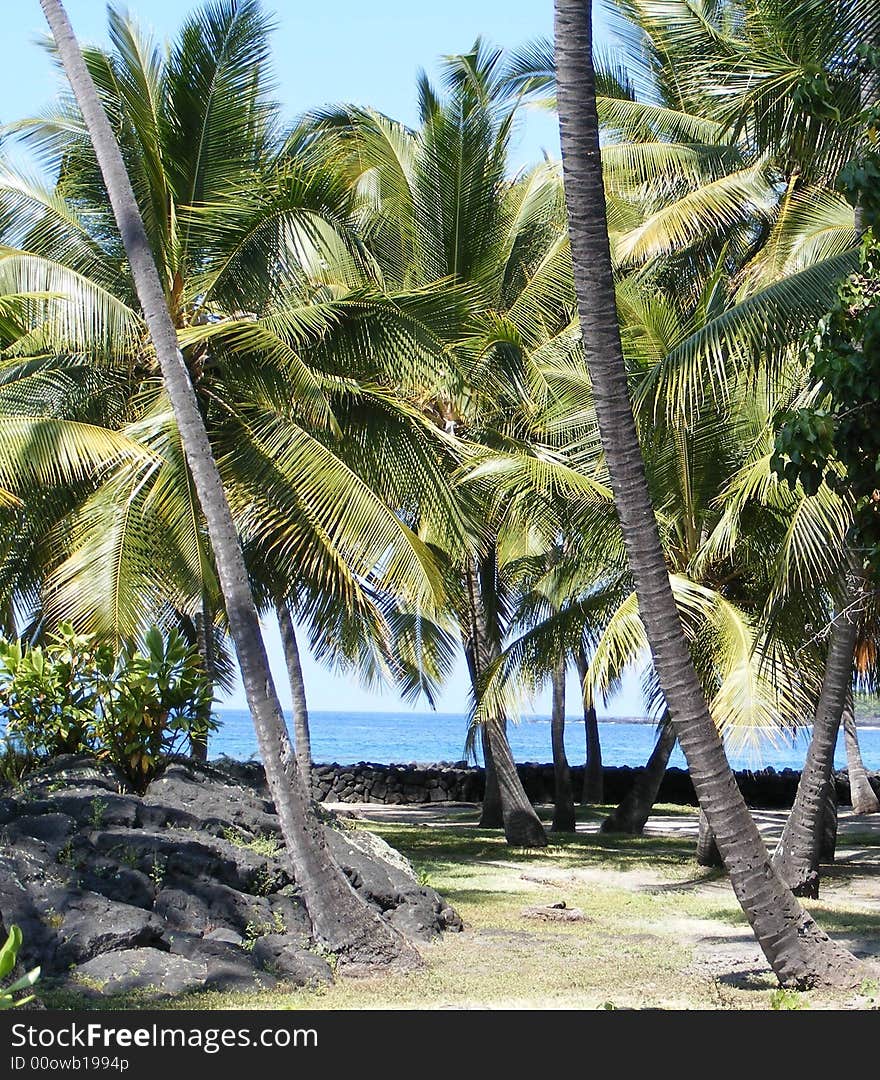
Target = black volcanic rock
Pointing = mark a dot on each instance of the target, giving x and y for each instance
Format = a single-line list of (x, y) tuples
[(188, 888)]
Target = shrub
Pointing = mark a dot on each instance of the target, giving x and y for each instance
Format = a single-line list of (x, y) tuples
[(153, 704), (131, 709), (49, 695)]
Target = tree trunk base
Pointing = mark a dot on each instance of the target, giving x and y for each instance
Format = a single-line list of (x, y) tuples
[(491, 816), (524, 829), (617, 823), (707, 850), (864, 801), (564, 820)]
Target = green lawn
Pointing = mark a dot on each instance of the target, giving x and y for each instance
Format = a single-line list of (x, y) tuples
[(658, 933)]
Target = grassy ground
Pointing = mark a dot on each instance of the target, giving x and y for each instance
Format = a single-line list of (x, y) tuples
[(657, 933)]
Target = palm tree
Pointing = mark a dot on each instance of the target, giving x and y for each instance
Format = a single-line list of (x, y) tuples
[(438, 205), (339, 917), (309, 436), (796, 948)]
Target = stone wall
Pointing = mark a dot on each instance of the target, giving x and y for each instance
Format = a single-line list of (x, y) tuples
[(374, 783)]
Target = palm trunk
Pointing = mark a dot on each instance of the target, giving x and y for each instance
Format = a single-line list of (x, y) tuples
[(491, 814), (636, 806), (340, 919), (563, 805), (797, 950), (862, 795), (302, 740), (205, 645), (707, 850), (797, 854), (828, 844), (594, 779), (522, 826)]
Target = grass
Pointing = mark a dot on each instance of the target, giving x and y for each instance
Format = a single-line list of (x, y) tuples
[(658, 933)]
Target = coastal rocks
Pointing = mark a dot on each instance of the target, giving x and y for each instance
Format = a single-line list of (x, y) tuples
[(186, 889)]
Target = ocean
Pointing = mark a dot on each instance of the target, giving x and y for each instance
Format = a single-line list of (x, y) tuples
[(402, 738)]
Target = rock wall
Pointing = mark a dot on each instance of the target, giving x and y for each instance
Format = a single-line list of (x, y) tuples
[(369, 782)]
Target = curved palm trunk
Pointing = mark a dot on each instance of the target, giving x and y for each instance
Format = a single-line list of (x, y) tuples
[(594, 779), (862, 795), (522, 826), (798, 951), (798, 852), (636, 806), (339, 918), (707, 850), (302, 740), (563, 804)]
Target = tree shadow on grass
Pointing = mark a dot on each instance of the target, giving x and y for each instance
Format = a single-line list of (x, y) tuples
[(452, 847)]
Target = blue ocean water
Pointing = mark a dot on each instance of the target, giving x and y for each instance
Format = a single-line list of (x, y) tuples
[(401, 738)]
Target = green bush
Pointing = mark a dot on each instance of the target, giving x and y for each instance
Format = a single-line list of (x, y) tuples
[(153, 704), (48, 695), (132, 708)]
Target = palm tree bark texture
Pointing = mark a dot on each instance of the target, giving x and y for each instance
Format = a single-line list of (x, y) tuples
[(796, 948), (522, 826), (594, 779), (563, 802), (862, 795), (339, 918), (302, 738), (636, 806), (798, 852)]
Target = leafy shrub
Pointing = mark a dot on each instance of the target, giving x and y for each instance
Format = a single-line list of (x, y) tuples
[(131, 709), (8, 957), (49, 694), (15, 762), (153, 704)]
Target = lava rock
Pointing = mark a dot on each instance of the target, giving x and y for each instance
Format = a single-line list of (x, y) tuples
[(150, 971)]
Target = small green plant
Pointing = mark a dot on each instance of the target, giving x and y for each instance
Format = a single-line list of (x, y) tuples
[(253, 930), (263, 881), (424, 878), (158, 869), (54, 919), (267, 846), (127, 855), (66, 856), (97, 811), (787, 1000), (8, 958), (15, 763), (870, 989)]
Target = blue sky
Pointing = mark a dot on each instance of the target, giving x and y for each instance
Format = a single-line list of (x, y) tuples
[(346, 51)]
